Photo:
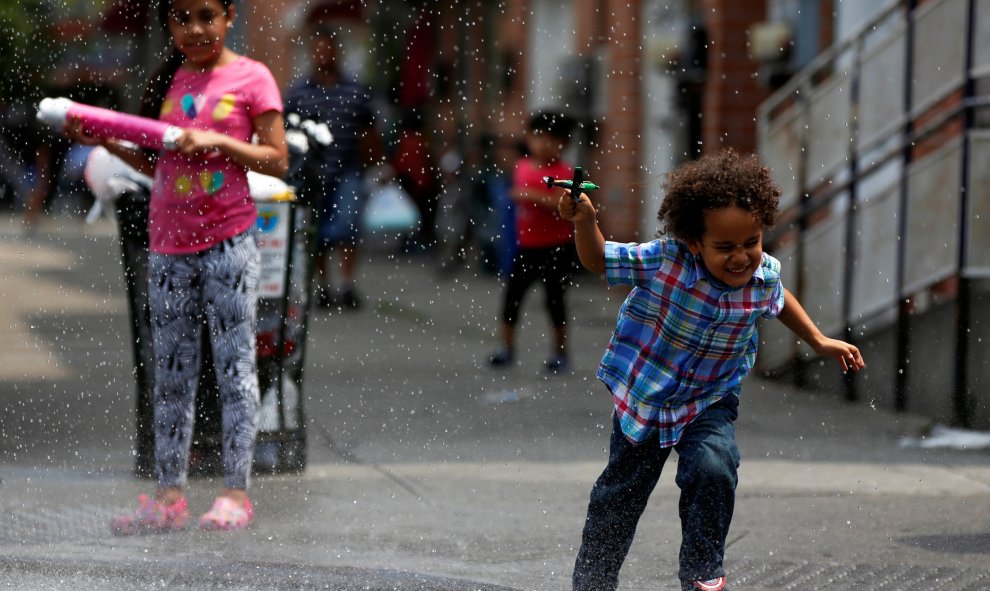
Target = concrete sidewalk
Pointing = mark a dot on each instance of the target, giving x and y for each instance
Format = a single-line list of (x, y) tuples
[(429, 471)]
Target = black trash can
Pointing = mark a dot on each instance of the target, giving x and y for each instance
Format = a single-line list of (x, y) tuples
[(132, 221), (284, 232)]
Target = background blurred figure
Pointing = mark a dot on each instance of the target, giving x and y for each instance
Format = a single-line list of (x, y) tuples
[(56, 162), (485, 215), (46, 159), (418, 173), (337, 192)]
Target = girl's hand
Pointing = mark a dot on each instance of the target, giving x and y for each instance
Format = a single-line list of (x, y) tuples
[(74, 131), (575, 211), (193, 141), (847, 355)]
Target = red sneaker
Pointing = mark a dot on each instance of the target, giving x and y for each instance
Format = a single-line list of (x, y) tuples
[(151, 516), (716, 584), (227, 515)]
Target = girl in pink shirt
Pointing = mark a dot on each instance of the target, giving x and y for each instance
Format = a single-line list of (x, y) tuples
[(204, 263)]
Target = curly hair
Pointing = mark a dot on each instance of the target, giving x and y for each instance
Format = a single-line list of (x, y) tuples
[(721, 179)]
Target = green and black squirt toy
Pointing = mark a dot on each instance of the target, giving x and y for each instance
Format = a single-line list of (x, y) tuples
[(583, 185)]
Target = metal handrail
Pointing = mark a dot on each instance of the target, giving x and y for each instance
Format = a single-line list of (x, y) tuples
[(824, 58), (914, 123)]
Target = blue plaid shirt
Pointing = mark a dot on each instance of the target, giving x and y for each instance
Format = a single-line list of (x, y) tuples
[(683, 340)]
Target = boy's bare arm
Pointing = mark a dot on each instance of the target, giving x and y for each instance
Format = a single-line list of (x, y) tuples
[(588, 238), (797, 320)]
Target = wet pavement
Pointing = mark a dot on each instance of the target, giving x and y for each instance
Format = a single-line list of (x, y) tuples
[(429, 471)]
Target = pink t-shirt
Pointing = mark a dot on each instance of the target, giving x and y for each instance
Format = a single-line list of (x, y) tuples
[(537, 227), (201, 200)]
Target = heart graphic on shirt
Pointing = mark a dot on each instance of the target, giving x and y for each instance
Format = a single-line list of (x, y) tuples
[(191, 106), (183, 185), (211, 182), (224, 107)]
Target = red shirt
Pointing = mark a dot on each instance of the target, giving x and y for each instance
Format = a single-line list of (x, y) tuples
[(537, 227), (412, 161)]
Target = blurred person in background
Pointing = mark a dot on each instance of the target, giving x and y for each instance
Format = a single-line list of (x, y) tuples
[(338, 195), (57, 163), (418, 173)]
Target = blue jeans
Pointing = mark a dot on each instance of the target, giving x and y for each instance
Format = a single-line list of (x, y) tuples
[(340, 205), (706, 475)]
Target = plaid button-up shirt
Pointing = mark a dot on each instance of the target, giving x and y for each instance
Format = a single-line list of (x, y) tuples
[(683, 340)]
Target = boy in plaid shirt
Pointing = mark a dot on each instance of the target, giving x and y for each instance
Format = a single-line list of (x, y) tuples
[(686, 337)]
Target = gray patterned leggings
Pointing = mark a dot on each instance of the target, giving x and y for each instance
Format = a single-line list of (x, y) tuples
[(220, 285)]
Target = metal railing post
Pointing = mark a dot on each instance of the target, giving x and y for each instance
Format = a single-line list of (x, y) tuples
[(903, 311), (849, 380), (961, 404)]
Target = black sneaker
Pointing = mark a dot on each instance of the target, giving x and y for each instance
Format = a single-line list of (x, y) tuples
[(557, 364), (349, 299), (500, 358)]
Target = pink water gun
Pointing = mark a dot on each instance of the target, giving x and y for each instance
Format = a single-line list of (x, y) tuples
[(104, 123)]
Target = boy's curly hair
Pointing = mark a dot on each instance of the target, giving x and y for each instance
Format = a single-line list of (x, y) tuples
[(720, 179)]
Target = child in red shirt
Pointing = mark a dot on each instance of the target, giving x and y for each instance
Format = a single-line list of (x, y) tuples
[(546, 251)]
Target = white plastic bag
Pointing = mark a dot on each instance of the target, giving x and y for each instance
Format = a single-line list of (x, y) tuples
[(108, 177), (389, 209)]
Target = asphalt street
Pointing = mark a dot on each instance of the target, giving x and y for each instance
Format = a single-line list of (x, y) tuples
[(428, 470)]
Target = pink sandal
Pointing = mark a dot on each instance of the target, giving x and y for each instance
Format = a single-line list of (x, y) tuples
[(152, 516), (227, 515)]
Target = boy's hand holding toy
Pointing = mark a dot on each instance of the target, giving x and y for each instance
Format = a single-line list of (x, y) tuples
[(574, 207)]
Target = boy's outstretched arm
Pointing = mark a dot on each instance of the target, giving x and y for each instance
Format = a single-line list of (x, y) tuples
[(797, 320), (588, 238)]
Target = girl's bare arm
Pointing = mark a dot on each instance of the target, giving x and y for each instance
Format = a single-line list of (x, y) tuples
[(139, 159), (269, 156)]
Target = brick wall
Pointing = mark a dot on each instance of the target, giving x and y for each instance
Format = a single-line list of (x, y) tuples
[(513, 47), (620, 141), (732, 92), (266, 37)]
